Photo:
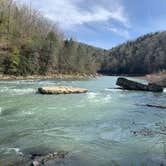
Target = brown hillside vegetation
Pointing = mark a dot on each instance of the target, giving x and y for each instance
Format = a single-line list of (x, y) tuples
[(31, 44)]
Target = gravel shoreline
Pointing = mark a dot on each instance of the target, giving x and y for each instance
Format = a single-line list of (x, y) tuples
[(53, 76)]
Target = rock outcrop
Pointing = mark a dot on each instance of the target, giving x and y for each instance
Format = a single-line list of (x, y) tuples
[(133, 85), (61, 90)]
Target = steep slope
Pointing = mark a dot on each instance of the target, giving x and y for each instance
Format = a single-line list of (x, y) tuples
[(30, 44), (147, 54)]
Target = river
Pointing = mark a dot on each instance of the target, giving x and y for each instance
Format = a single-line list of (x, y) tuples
[(98, 128)]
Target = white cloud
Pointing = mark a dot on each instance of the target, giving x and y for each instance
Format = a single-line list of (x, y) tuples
[(69, 13), (119, 31)]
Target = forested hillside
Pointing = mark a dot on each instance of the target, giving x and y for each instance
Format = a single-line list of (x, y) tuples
[(31, 44), (146, 54)]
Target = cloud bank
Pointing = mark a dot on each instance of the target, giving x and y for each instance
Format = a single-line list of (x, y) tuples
[(71, 13)]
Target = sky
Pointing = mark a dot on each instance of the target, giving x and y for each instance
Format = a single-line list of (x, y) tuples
[(104, 23)]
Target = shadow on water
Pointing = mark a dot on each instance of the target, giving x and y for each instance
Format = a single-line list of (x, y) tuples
[(8, 111), (13, 136)]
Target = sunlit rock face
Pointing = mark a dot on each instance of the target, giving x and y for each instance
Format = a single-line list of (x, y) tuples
[(61, 90)]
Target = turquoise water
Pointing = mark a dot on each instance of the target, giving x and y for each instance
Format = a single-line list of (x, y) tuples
[(95, 128)]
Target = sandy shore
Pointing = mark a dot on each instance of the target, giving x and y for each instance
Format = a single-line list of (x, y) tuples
[(156, 77)]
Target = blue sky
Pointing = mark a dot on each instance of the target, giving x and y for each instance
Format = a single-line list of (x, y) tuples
[(104, 23)]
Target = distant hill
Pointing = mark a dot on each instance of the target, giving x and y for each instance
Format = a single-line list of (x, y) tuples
[(147, 54)]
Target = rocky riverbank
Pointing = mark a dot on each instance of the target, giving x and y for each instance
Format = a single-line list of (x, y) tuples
[(39, 156), (51, 76)]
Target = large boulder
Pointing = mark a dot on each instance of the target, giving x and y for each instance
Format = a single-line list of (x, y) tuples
[(133, 85), (61, 90)]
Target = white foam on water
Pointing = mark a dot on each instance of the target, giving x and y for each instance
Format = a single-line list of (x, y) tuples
[(28, 112), (18, 82), (51, 108), (29, 82), (112, 90), (10, 150), (91, 95), (107, 99), (80, 105), (164, 90), (0, 110), (4, 89), (14, 91), (8, 82), (46, 83), (64, 109), (116, 135), (12, 120), (99, 98), (22, 91), (121, 95)]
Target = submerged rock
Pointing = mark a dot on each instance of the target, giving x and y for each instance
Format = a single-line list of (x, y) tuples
[(133, 85), (158, 129), (35, 163), (61, 90), (152, 105), (43, 160), (37, 156), (144, 132)]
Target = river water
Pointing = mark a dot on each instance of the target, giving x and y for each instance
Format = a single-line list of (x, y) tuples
[(95, 128)]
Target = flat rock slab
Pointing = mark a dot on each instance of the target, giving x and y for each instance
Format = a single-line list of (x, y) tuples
[(61, 90)]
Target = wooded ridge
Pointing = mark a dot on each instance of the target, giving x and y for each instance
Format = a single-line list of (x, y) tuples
[(145, 55)]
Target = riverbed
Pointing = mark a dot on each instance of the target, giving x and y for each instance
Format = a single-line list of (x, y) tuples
[(98, 128)]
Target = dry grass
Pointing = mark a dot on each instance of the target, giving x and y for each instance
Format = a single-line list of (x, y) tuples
[(156, 77)]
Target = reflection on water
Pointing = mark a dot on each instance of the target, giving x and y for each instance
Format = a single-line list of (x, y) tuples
[(95, 128)]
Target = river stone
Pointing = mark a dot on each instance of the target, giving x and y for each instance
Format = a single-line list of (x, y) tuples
[(61, 90), (35, 163)]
